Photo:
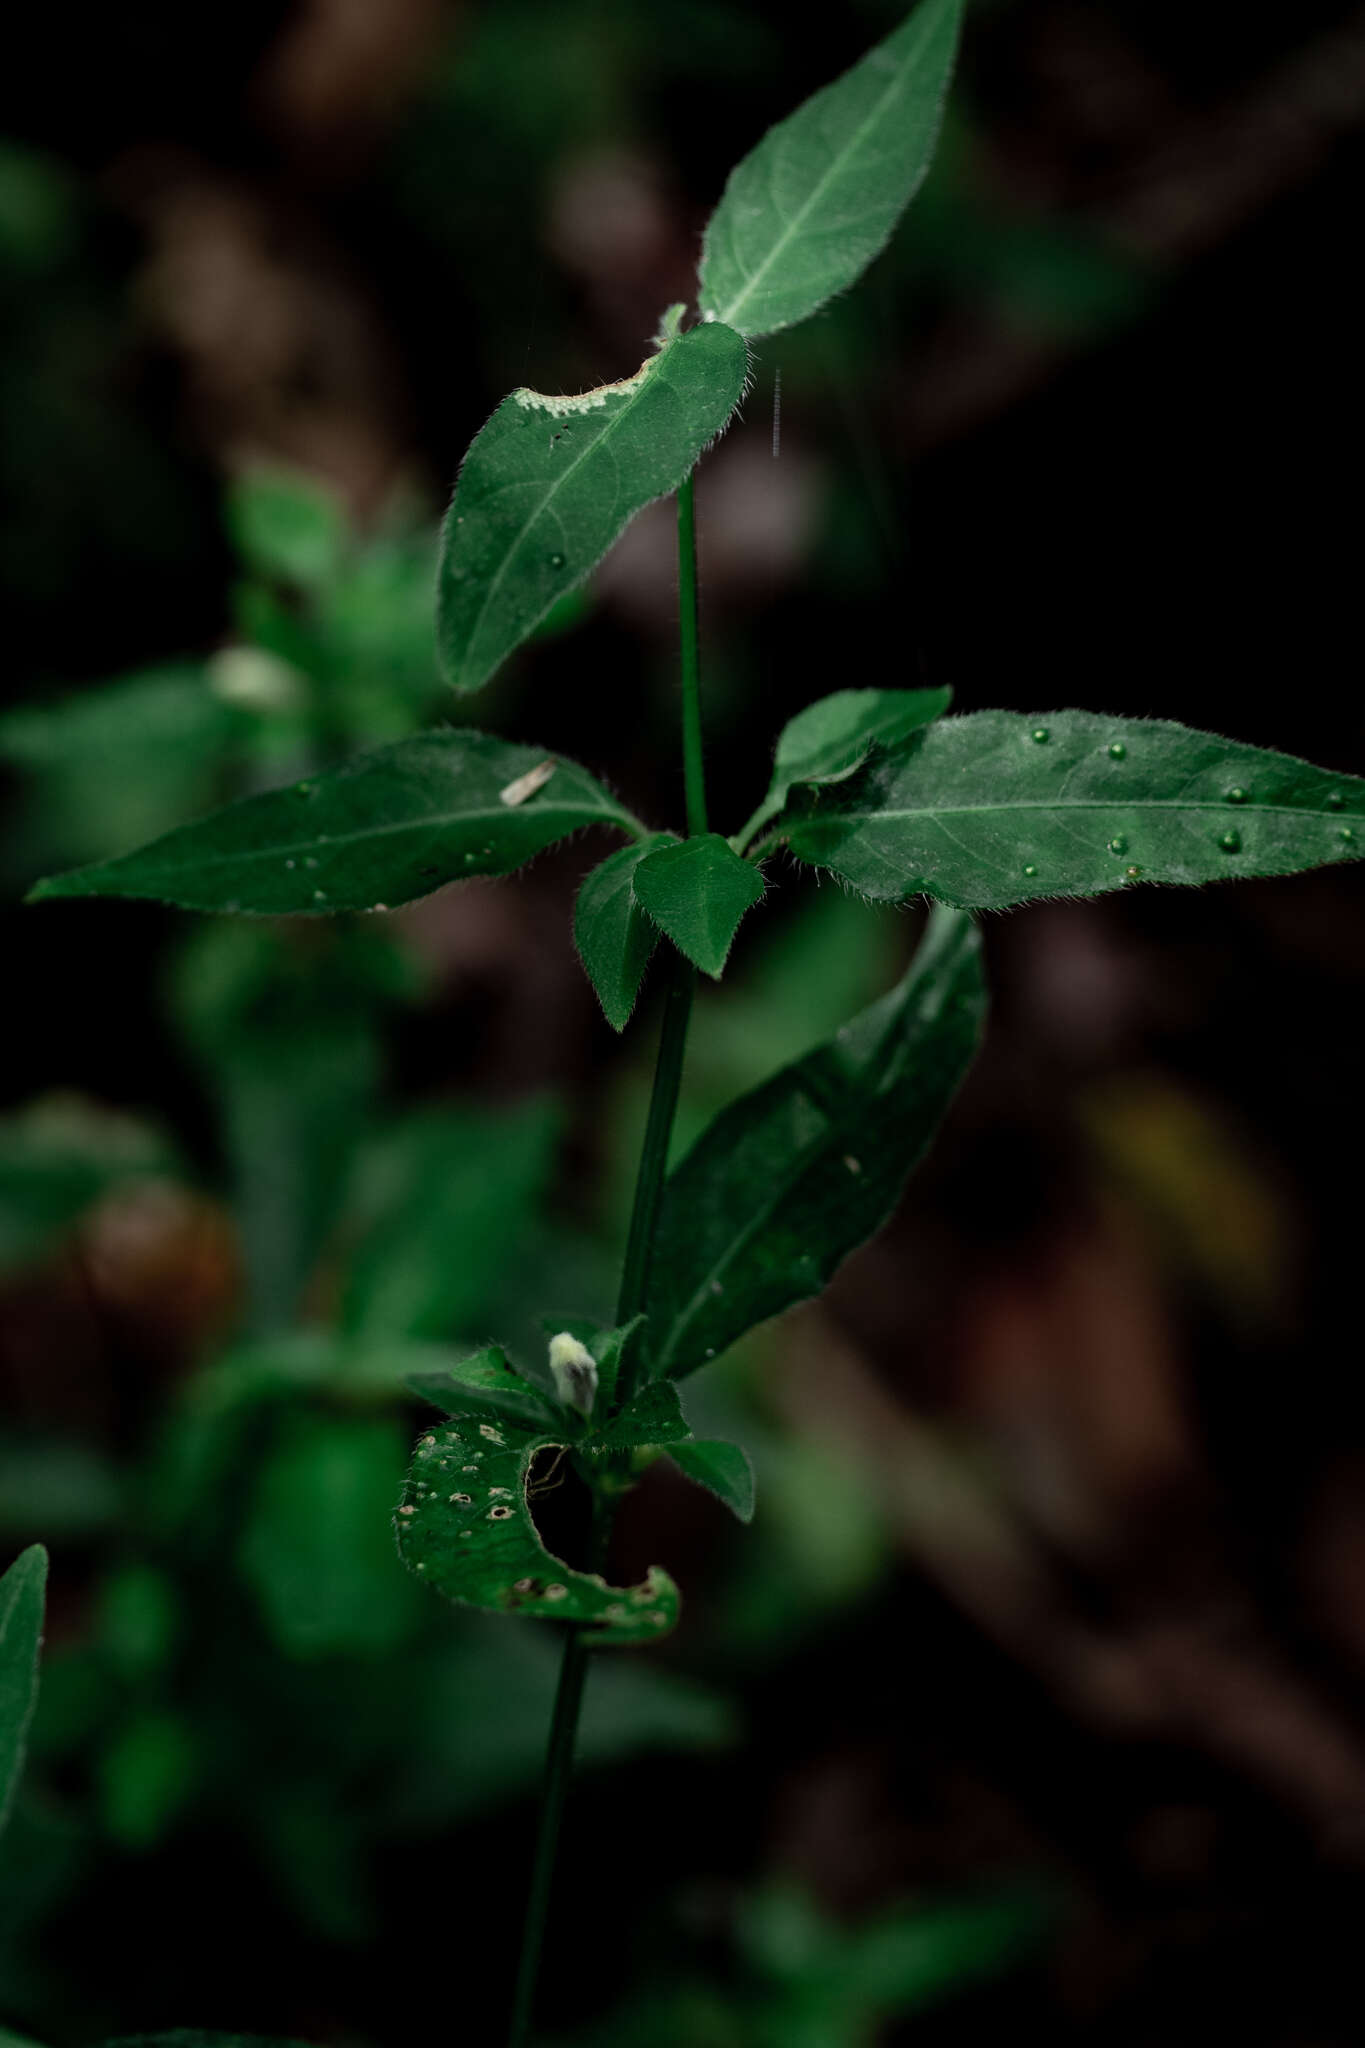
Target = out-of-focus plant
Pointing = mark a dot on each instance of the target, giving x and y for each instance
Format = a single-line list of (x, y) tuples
[(880, 787)]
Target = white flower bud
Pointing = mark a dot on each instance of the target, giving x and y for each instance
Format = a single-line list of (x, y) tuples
[(574, 1370)]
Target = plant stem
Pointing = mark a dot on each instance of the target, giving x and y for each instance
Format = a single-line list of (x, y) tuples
[(694, 776), (649, 1185)]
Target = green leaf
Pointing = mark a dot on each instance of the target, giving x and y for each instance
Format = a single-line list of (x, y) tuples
[(315, 1548), (21, 1632), (653, 1416), (832, 738), (486, 1384), (192, 2037), (807, 210), (696, 891), (465, 1528), (388, 826), (549, 483), (997, 808), (791, 1178), (285, 524), (444, 1206), (614, 937), (723, 1469)]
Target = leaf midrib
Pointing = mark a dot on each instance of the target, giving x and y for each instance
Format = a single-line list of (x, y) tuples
[(426, 823), (1218, 805)]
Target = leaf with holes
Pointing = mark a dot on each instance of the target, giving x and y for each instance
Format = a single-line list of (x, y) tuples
[(615, 938), (464, 1526), (791, 1178), (997, 808), (696, 891), (831, 739), (549, 483), (723, 1469), (388, 826), (21, 1634), (807, 210)]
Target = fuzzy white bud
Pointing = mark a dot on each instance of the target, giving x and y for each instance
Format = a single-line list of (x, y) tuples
[(574, 1370)]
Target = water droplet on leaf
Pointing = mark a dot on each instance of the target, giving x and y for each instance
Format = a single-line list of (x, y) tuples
[(1030, 870), (1117, 750), (1119, 843), (1231, 842), (1335, 800), (1040, 735), (1237, 795), (556, 561)]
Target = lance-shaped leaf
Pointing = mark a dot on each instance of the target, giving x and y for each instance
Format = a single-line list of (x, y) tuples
[(465, 1527), (792, 1177), (388, 826), (487, 1385), (549, 483), (696, 891), (723, 1469), (653, 1416), (997, 808), (615, 938), (831, 739), (21, 1632), (807, 210)]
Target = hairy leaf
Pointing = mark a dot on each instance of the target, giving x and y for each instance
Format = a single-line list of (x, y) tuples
[(488, 1385), (792, 1177), (696, 891), (21, 1632), (614, 937), (465, 1527), (997, 808), (388, 826), (723, 1469), (653, 1416), (832, 738), (549, 483), (805, 212)]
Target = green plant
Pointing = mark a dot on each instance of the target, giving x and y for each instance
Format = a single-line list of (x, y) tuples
[(881, 787)]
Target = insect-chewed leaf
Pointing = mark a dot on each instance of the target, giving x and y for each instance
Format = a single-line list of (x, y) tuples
[(789, 1179), (832, 738), (723, 1469), (21, 1632), (549, 483), (805, 212), (388, 826), (614, 937), (997, 808), (464, 1526), (696, 891)]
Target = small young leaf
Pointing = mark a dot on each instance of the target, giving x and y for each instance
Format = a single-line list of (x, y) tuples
[(792, 1177), (21, 1631), (614, 937), (388, 826), (832, 738), (996, 808), (465, 1528), (549, 483), (485, 1385), (723, 1469), (696, 891), (285, 524), (805, 212), (654, 1416)]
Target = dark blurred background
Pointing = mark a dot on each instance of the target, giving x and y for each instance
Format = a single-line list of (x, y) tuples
[(1036, 1694)]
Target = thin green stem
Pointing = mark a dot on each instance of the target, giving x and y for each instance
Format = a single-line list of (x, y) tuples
[(694, 775), (649, 1185)]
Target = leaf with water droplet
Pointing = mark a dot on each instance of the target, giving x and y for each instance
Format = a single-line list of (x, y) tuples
[(389, 825), (764, 1207), (697, 891), (832, 738), (808, 209), (550, 483), (21, 1630), (487, 1552), (723, 1469), (949, 813), (615, 938)]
